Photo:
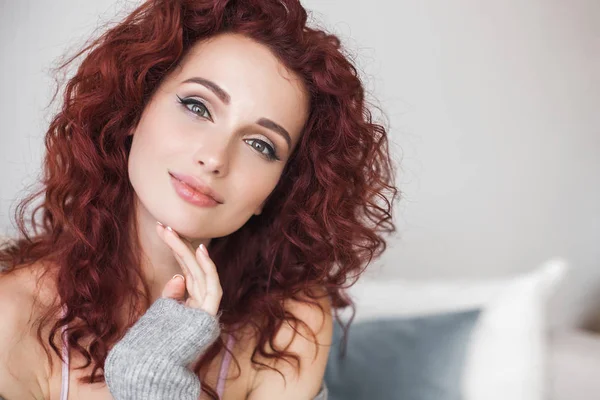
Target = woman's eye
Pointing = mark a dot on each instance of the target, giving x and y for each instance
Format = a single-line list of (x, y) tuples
[(260, 145), (196, 106), (199, 108)]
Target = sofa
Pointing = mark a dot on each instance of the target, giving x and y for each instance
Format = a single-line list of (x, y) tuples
[(421, 340)]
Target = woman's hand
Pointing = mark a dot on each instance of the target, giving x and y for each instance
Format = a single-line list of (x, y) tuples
[(201, 277), (152, 360)]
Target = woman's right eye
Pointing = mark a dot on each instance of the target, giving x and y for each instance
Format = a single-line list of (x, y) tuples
[(196, 106)]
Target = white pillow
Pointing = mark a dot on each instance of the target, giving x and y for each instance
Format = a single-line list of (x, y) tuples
[(506, 357)]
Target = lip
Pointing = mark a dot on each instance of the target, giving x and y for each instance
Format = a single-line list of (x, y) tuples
[(195, 187)]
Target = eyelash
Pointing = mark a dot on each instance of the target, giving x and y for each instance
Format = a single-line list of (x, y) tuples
[(271, 156)]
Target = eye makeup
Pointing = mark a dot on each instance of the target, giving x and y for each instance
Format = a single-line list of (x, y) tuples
[(201, 110), (196, 103)]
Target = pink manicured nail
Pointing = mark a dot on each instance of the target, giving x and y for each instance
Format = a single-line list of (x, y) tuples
[(178, 276), (203, 248), (169, 228)]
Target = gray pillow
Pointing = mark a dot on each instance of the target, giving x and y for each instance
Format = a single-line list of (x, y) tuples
[(419, 358)]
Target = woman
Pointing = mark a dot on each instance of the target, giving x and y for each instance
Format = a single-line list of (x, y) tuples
[(239, 128)]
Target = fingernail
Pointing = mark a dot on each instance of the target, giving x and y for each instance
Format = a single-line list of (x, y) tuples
[(159, 223), (203, 248), (169, 228), (178, 276)]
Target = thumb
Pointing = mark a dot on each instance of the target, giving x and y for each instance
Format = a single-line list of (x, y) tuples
[(175, 288)]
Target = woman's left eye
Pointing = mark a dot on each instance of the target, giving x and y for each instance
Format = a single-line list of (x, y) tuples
[(270, 155), (196, 106)]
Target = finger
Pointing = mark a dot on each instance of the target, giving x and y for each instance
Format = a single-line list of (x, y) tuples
[(197, 283), (175, 288), (189, 279), (214, 291), (162, 230), (196, 294), (186, 253), (194, 265)]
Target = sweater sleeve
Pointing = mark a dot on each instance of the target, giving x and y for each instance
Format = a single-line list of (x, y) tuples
[(151, 361)]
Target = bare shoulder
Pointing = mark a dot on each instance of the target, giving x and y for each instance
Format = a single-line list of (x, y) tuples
[(25, 371), (246, 380), (22, 368), (310, 340)]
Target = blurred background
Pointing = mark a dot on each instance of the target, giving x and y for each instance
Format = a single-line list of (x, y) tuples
[(493, 116)]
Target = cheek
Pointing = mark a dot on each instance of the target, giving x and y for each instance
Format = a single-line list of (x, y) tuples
[(144, 149), (157, 132), (256, 188), (154, 140), (138, 161), (149, 148)]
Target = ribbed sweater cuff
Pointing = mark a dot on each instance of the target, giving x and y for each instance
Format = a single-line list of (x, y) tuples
[(150, 362)]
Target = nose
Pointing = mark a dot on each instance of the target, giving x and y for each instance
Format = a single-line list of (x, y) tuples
[(213, 157)]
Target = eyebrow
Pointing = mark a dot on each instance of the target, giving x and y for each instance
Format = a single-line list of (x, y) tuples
[(226, 99), (213, 87), (275, 127)]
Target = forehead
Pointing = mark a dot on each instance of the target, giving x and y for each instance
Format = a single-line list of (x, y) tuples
[(252, 76)]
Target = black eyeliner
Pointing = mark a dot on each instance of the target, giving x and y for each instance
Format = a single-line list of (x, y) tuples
[(186, 102), (272, 156)]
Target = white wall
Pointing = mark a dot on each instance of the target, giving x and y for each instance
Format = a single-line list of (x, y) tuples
[(493, 113)]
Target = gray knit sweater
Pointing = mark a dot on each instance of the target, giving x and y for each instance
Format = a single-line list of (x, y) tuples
[(152, 361)]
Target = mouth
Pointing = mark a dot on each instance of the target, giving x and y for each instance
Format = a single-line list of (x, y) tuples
[(197, 185), (191, 195)]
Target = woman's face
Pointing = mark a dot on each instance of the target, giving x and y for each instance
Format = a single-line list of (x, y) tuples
[(220, 118)]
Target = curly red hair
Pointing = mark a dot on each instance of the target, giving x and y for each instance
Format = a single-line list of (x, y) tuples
[(320, 227)]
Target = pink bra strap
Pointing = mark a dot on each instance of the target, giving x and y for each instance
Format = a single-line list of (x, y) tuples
[(64, 389), (224, 367)]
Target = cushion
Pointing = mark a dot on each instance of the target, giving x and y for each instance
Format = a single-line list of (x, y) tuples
[(418, 358), (506, 356)]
